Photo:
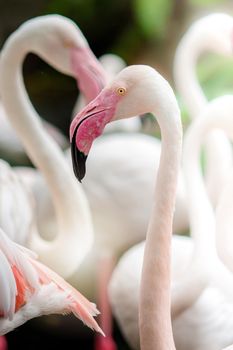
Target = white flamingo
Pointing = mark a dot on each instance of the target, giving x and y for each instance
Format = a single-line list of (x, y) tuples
[(121, 99), (211, 33), (55, 39), (221, 110)]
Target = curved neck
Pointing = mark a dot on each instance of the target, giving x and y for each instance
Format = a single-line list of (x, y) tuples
[(185, 60), (154, 307), (71, 207)]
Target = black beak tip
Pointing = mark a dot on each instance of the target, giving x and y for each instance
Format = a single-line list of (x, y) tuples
[(78, 161)]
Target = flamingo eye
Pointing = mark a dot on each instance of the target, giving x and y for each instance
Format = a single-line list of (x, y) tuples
[(121, 91)]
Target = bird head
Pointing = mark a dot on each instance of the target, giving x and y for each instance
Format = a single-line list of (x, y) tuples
[(59, 41), (122, 98)]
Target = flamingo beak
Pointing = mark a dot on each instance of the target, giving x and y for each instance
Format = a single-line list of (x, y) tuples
[(78, 160), (90, 75), (85, 128)]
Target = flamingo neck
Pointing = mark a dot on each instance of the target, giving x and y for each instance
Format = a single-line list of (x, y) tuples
[(216, 116), (202, 228), (203, 225), (185, 61), (198, 40), (202, 221), (72, 211), (155, 300)]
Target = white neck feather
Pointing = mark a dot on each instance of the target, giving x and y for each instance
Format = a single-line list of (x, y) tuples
[(185, 61), (154, 306)]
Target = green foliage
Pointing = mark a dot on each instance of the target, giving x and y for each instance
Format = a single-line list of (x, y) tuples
[(152, 16)]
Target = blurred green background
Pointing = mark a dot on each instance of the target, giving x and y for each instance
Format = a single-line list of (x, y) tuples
[(140, 31)]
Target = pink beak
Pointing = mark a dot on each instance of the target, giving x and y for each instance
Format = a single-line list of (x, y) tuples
[(90, 75), (87, 126)]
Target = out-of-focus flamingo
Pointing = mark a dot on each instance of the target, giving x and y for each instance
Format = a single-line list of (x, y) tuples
[(211, 33), (55, 39), (219, 114), (210, 317), (30, 289)]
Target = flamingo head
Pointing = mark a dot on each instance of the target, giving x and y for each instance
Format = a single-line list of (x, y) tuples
[(59, 41), (216, 31), (118, 100)]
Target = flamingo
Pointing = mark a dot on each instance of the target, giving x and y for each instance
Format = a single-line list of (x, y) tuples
[(55, 39), (123, 98), (219, 113), (30, 289), (101, 194), (211, 33), (120, 100), (71, 55)]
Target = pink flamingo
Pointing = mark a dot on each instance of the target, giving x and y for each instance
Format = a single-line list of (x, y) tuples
[(123, 98), (30, 289)]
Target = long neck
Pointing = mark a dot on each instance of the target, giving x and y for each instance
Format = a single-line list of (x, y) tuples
[(154, 307), (187, 54), (206, 264), (74, 225), (202, 222), (202, 229), (191, 46)]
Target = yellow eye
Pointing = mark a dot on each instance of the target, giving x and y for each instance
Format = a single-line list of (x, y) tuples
[(121, 91)]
